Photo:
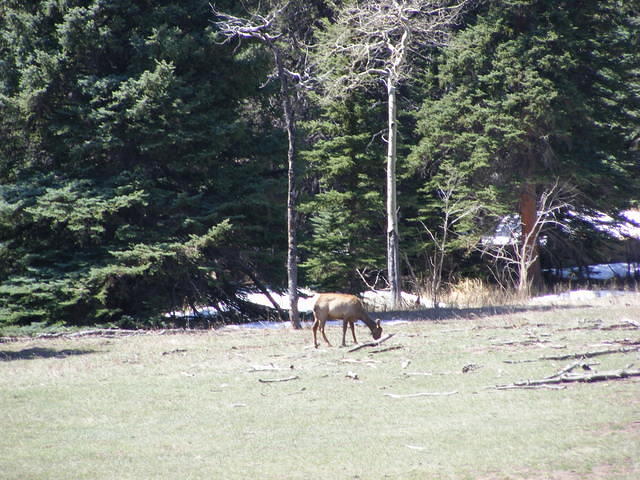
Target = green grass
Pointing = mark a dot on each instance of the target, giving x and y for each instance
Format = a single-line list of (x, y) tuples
[(191, 406)]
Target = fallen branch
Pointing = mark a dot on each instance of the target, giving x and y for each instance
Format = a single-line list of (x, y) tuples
[(368, 361), (530, 387), (371, 344), (275, 380), (631, 322), (387, 349), (569, 368), (421, 394), (263, 368), (572, 377), (594, 353)]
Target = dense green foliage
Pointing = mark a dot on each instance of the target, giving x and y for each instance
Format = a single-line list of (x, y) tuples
[(134, 181), (346, 210), (535, 92), (143, 164)]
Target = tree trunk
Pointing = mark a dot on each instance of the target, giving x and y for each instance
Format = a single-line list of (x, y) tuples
[(393, 257), (292, 250), (531, 271), (292, 216)]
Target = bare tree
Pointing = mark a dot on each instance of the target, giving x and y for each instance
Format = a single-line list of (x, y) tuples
[(454, 211), (514, 256), (272, 30), (376, 37)]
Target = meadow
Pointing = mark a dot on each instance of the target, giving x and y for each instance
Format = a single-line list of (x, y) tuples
[(443, 398)]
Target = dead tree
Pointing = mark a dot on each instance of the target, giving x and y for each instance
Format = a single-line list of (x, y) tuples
[(377, 37), (272, 31), (521, 251), (454, 211)]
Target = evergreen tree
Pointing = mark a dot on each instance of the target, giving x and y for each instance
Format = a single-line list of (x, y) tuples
[(131, 178), (535, 91), (346, 212)]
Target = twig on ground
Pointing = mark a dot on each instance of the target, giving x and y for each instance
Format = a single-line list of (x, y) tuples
[(387, 349), (263, 368), (356, 360), (371, 344), (529, 387), (421, 394), (275, 380)]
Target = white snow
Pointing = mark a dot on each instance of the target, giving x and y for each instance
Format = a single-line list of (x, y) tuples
[(305, 302), (604, 271), (381, 299), (508, 230), (581, 297)]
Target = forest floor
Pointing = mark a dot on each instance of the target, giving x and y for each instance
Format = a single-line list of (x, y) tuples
[(534, 392)]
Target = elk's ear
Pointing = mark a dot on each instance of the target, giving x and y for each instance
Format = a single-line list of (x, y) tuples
[(378, 323)]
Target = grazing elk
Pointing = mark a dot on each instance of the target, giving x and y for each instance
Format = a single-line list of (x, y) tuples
[(340, 306)]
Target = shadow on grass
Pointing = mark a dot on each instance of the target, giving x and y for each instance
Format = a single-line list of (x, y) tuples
[(37, 353)]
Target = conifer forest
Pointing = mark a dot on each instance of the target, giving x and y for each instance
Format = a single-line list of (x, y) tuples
[(167, 155)]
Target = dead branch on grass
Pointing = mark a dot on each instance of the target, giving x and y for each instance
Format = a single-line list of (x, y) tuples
[(421, 394), (569, 368), (387, 349), (631, 322), (529, 387), (276, 380), (568, 377), (580, 355), (591, 354), (263, 368), (371, 344)]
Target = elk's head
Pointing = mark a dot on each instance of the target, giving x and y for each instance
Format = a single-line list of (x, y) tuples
[(377, 330)]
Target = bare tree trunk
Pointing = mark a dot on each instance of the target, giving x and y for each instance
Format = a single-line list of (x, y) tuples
[(530, 271), (265, 30), (393, 257), (292, 250), (292, 215)]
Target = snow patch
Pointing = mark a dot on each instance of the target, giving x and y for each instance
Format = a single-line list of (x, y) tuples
[(579, 297), (604, 271), (305, 301)]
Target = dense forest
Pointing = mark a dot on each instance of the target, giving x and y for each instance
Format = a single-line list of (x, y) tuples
[(152, 158)]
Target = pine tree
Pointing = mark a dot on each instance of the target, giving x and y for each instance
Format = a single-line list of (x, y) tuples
[(535, 91), (346, 211), (131, 179)]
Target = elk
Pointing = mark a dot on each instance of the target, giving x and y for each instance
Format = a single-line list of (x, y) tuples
[(340, 306)]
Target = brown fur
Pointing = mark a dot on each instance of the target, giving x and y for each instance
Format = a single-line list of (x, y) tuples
[(341, 306)]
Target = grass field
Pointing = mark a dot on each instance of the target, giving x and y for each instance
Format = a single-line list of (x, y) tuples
[(204, 405)]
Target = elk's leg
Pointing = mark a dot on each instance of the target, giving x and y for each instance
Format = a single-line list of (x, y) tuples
[(314, 328), (324, 335), (344, 332), (353, 332)]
